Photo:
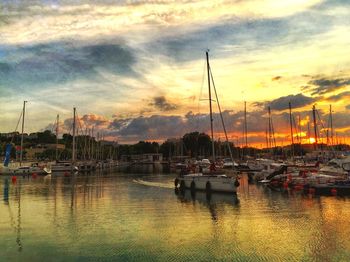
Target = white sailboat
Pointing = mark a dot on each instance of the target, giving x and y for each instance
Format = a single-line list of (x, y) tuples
[(21, 169), (211, 181)]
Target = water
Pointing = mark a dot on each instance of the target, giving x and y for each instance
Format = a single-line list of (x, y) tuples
[(119, 217)]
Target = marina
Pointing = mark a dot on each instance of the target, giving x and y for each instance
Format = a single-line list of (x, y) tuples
[(174, 130)]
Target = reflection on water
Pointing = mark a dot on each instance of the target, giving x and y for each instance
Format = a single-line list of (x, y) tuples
[(140, 217), (212, 201)]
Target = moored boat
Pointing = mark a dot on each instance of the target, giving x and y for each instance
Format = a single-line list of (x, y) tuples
[(210, 178), (208, 183)]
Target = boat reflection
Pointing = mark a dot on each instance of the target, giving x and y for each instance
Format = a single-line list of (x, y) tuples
[(207, 199), (16, 225), (6, 191), (212, 200)]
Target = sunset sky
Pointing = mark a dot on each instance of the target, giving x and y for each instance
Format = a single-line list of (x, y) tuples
[(135, 70)]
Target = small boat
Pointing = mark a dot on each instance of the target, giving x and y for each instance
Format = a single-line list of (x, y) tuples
[(25, 170), (63, 167), (207, 182)]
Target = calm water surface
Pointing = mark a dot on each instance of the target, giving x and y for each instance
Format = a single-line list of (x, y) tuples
[(124, 217)]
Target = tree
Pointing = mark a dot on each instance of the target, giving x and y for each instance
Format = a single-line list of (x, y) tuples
[(197, 144)]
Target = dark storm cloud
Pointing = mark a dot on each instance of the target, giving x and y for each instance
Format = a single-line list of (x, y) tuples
[(297, 101), (161, 103), (323, 86), (55, 63)]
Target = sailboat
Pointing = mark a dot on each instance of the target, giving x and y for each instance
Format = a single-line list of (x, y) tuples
[(66, 166), (211, 181), (22, 169)]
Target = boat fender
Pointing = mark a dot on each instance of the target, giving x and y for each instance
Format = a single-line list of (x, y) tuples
[(34, 175), (237, 183), (14, 179), (176, 182), (334, 191)]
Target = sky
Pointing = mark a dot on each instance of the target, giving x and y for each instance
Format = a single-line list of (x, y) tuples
[(135, 70)]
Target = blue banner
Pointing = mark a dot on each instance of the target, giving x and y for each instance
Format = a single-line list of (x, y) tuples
[(7, 154)]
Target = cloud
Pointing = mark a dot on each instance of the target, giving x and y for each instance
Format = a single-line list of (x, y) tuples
[(83, 19), (297, 101), (339, 97), (61, 62), (276, 78), (347, 107), (323, 86), (161, 103), (161, 127), (83, 123)]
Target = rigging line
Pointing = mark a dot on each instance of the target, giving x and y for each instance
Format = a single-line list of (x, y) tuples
[(296, 129), (273, 133), (222, 119), (200, 95), (319, 118), (54, 126), (19, 120), (82, 147)]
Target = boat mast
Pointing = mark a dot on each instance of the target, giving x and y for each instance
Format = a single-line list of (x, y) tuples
[(291, 129), (210, 107), (315, 126), (23, 113), (57, 126), (331, 118), (245, 125), (299, 128), (73, 151)]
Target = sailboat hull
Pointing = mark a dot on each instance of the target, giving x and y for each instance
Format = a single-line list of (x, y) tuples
[(199, 181)]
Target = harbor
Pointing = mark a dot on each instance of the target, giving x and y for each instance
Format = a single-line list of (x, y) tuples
[(134, 130)]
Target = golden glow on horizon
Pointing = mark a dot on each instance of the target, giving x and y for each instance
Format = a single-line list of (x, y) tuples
[(312, 140)]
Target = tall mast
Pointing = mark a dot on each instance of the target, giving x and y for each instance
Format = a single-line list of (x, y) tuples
[(210, 107), (315, 125), (73, 151), (331, 118), (291, 129), (270, 128), (57, 126), (245, 125), (92, 144), (299, 128), (23, 113)]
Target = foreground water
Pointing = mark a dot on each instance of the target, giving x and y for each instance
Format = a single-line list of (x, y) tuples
[(124, 217)]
